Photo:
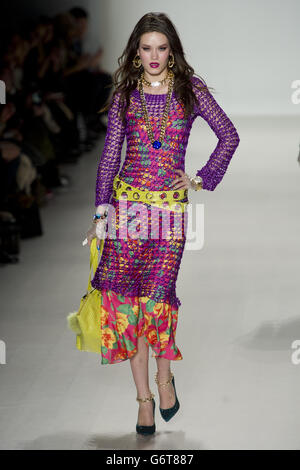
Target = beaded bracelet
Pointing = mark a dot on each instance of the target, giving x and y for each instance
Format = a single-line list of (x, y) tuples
[(97, 217), (197, 180)]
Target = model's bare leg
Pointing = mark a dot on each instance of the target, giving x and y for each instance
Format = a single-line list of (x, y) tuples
[(139, 366), (166, 392)]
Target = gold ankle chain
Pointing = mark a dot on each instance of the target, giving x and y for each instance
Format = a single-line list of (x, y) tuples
[(145, 399), (163, 383)]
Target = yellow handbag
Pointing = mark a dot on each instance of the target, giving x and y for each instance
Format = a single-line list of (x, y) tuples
[(86, 323)]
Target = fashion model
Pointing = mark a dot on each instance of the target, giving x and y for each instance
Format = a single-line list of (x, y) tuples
[(156, 99)]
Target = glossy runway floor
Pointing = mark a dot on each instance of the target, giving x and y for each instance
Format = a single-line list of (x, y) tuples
[(238, 384)]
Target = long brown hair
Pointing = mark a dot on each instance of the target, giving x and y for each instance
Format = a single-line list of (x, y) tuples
[(126, 76)]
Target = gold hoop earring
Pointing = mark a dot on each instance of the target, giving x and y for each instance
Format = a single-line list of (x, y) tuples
[(137, 62), (170, 64)]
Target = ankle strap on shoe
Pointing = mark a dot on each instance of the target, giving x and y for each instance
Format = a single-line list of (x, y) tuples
[(163, 383), (145, 399)]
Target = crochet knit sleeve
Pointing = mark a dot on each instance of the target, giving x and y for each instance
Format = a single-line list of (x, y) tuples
[(207, 107), (110, 160)]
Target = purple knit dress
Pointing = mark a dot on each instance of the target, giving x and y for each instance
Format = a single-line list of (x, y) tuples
[(137, 277)]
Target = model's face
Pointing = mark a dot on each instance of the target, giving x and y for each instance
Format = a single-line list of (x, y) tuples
[(154, 48)]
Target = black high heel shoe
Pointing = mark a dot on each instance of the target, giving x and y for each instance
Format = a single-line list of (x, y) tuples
[(168, 413), (146, 430)]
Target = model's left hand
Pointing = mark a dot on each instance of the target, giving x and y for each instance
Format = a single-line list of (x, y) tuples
[(183, 182)]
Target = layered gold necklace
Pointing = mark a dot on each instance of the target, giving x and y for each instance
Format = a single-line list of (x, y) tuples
[(154, 84), (157, 143)]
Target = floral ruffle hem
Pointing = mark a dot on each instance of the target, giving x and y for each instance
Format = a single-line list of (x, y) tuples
[(124, 319)]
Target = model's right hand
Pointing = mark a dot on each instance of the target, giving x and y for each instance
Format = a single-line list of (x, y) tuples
[(91, 233), (97, 230)]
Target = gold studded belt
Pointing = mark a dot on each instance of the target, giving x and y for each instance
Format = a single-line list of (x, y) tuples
[(170, 199)]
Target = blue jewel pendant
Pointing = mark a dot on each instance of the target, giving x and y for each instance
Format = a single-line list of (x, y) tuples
[(156, 144)]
